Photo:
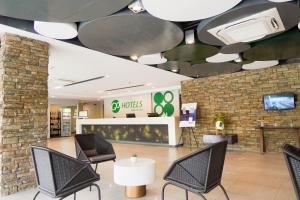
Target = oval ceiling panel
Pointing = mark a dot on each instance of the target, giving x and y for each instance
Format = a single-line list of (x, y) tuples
[(181, 10), (223, 25), (127, 34), (260, 64), (210, 69), (60, 10)]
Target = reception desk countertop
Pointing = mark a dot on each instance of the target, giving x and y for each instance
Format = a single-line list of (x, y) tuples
[(140, 130)]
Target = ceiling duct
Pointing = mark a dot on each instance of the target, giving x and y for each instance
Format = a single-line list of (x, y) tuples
[(123, 88), (251, 28), (84, 81)]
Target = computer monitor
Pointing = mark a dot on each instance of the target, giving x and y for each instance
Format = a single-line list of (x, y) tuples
[(130, 115), (152, 115)]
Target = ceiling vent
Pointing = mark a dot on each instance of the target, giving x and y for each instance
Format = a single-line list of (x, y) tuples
[(250, 28)]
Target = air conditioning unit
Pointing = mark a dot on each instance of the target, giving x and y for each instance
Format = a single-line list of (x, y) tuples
[(251, 28)]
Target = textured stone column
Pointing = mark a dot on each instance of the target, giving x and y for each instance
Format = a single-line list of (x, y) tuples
[(23, 109)]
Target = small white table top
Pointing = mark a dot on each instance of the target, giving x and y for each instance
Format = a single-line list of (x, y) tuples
[(128, 173)]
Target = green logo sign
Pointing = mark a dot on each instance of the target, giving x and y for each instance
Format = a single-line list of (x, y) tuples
[(163, 103), (132, 105), (115, 106)]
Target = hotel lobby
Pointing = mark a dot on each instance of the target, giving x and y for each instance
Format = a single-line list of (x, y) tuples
[(150, 99)]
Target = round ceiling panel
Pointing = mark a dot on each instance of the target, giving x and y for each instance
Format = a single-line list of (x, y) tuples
[(192, 10), (210, 69), (60, 10), (281, 47), (248, 22), (191, 52), (127, 33), (220, 57), (56, 30), (260, 64)]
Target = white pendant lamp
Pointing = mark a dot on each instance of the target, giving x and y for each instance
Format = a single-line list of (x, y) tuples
[(56, 30)]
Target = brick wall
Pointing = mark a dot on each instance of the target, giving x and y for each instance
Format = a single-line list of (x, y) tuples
[(239, 96), (23, 109)]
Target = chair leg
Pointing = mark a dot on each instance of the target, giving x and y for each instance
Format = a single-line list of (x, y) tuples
[(35, 196), (203, 197), (96, 167), (99, 192), (163, 191), (186, 195), (75, 196), (221, 186)]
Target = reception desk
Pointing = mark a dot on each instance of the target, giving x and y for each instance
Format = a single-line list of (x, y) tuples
[(148, 130)]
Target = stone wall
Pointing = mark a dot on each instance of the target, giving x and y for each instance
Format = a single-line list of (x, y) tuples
[(23, 109), (239, 96)]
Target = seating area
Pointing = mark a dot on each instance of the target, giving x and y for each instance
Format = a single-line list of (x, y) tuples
[(245, 176)]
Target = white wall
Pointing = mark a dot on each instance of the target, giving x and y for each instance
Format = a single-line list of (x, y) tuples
[(139, 104)]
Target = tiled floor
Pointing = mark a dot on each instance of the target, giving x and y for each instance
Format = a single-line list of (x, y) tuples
[(247, 176)]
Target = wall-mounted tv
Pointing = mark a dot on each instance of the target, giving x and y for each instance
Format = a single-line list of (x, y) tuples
[(284, 101)]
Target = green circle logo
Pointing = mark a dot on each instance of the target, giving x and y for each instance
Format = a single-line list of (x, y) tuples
[(168, 97), (158, 98), (168, 109), (115, 106)]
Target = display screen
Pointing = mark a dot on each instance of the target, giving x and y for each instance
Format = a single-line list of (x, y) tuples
[(279, 101), (83, 113)]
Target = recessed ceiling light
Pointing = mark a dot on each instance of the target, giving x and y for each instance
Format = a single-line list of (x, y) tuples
[(107, 76), (52, 96), (174, 70), (299, 25), (148, 84), (189, 37), (136, 6), (56, 30), (134, 57), (58, 87), (238, 60)]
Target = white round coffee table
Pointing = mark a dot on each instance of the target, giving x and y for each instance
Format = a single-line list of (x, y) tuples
[(134, 176)]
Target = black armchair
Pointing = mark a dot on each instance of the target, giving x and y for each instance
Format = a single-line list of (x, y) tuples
[(292, 158), (198, 172), (59, 175), (93, 149)]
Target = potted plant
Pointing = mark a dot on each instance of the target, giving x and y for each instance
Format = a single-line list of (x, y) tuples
[(219, 122), (133, 158)]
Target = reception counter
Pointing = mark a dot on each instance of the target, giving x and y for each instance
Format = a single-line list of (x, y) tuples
[(148, 130)]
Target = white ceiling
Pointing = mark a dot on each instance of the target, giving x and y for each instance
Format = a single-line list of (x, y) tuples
[(75, 63)]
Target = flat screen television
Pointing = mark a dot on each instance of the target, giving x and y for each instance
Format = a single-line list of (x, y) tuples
[(130, 115), (284, 101)]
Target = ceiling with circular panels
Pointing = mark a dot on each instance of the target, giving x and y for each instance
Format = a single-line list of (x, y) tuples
[(181, 11), (191, 52), (210, 69), (281, 47), (235, 48), (251, 20), (127, 34), (60, 10), (196, 39)]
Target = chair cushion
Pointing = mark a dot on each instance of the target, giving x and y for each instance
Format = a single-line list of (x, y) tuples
[(91, 152), (100, 158)]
